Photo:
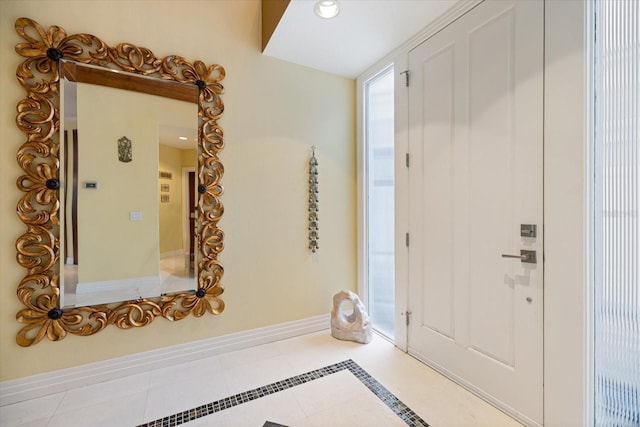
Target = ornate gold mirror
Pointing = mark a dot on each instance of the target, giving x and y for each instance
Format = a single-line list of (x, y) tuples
[(50, 56)]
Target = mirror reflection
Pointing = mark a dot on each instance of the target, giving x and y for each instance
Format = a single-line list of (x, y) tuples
[(128, 195)]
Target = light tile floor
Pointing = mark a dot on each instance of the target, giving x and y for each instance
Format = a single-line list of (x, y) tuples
[(339, 399)]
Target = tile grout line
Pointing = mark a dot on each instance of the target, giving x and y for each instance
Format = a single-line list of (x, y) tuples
[(389, 399)]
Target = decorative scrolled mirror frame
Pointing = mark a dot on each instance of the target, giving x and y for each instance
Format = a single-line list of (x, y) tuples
[(38, 249)]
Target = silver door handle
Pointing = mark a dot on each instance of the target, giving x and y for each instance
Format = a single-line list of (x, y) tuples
[(525, 256)]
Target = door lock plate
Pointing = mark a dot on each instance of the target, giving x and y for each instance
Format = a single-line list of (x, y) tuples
[(526, 256), (528, 230)]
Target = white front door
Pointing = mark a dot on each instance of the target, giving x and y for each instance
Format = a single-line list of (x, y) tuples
[(475, 141)]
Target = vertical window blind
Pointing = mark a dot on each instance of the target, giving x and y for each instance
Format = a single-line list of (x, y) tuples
[(617, 194)]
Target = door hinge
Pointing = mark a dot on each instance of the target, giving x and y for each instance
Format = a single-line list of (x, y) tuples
[(407, 319), (406, 77), (406, 239), (406, 159)]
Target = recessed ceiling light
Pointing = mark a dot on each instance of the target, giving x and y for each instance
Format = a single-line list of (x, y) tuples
[(327, 9), (182, 138)]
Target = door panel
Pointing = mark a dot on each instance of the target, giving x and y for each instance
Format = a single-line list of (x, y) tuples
[(490, 147), (475, 116), (438, 188)]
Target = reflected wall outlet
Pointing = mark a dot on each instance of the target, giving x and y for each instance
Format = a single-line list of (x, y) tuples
[(135, 216)]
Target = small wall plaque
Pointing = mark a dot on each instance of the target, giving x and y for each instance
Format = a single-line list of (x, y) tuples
[(164, 198), (124, 150), (164, 188)]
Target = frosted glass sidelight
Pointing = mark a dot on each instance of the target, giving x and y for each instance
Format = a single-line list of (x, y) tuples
[(617, 195), (379, 136)]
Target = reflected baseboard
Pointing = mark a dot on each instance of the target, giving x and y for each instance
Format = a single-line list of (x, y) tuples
[(35, 386), (88, 294), (137, 283)]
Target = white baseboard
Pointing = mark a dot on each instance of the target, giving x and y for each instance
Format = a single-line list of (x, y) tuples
[(14, 391)]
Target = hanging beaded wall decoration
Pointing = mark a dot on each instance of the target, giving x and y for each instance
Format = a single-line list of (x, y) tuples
[(313, 202)]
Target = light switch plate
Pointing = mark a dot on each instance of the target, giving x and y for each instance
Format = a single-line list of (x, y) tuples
[(135, 216)]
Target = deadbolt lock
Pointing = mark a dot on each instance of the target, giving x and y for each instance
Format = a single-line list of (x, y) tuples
[(528, 230)]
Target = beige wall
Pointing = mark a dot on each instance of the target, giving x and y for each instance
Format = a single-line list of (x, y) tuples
[(110, 246), (274, 113), (189, 158)]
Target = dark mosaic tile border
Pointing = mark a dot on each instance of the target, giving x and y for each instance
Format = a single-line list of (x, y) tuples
[(400, 409)]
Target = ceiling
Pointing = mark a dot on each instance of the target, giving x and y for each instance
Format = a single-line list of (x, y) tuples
[(364, 32)]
